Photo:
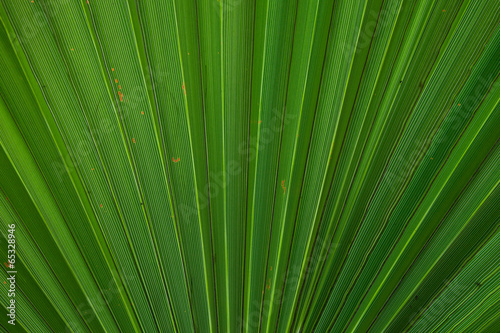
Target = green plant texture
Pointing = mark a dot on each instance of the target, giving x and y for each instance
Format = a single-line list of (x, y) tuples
[(250, 166)]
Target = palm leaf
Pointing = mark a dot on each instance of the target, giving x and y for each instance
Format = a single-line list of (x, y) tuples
[(250, 166)]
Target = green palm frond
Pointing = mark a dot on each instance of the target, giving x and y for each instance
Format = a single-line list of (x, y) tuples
[(250, 166)]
